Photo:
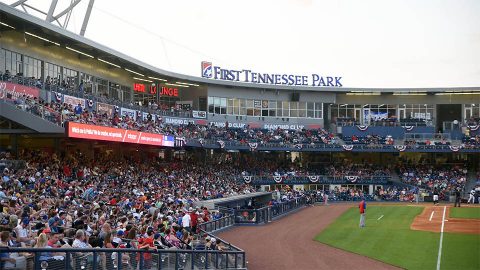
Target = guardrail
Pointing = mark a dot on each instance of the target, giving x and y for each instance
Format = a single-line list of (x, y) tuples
[(37, 109), (429, 136), (215, 225), (72, 92), (121, 258), (314, 179), (267, 213)]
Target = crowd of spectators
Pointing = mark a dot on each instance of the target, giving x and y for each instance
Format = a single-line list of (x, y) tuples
[(74, 201), (73, 88), (370, 139), (442, 178)]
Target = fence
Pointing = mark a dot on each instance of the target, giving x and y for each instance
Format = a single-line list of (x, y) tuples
[(128, 259), (66, 90), (218, 224), (427, 136), (267, 213), (37, 109)]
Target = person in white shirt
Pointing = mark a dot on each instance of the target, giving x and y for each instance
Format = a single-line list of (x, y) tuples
[(22, 233), (186, 220), (81, 240)]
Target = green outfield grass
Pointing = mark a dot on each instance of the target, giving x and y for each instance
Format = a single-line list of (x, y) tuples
[(465, 212), (391, 240)]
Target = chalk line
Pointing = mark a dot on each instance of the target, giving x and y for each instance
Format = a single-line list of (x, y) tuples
[(439, 258)]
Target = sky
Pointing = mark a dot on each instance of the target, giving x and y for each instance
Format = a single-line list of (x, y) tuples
[(369, 43)]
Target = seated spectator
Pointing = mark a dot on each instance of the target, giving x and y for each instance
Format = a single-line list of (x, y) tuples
[(10, 260)]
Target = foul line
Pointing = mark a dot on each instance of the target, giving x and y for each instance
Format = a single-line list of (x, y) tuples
[(380, 217), (431, 216), (439, 258)]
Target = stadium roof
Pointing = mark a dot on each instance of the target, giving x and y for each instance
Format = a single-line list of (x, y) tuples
[(54, 34)]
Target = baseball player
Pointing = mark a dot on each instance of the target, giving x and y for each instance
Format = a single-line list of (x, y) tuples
[(362, 206), (472, 196)]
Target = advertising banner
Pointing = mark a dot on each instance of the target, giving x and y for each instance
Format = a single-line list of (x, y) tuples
[(131, 113), (13, 91), (92, 132), (199, 114), (74, 101), (103, 108)]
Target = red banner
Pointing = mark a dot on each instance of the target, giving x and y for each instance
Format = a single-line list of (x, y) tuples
[(13, 91), (92, 132)]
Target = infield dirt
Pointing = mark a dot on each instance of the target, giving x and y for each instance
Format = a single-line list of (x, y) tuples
[(433, 222)]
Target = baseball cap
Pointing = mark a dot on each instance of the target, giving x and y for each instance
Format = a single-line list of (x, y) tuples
[(47, 230)]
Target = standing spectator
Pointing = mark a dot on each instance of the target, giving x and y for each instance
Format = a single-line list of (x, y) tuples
[(186, 220), (78, 109), (362, 206), (194, 220)]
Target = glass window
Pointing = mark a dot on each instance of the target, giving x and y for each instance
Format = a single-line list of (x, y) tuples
[(286, 107), (126, 93), (2, 60)]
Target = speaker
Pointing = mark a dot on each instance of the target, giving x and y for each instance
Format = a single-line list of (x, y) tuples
[(295, 97)]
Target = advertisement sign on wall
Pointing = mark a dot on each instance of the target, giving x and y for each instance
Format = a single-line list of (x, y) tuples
[(92, 132), (103, 108), (74, 101), (13, 91), (131, 113)]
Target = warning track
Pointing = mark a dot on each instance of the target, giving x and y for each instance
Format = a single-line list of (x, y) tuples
[(288, 243)]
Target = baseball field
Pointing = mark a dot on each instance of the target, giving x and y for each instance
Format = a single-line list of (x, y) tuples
[(396, 236)]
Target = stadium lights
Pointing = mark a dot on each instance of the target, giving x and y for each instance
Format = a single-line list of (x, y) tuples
[(158, 79), (86, 54), (139, 74), (106, 62), (180, 85), (7, 25), (140, 79), (191, 84), (44, 39), (410, 93)]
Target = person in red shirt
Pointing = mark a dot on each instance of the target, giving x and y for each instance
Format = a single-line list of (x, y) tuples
[(147, 244), (194, 221), (362, 206)]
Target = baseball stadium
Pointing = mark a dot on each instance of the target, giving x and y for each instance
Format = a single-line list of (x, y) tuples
[(108, 162)]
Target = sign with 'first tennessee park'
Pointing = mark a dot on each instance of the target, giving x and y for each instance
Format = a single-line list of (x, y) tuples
[(210, 71)]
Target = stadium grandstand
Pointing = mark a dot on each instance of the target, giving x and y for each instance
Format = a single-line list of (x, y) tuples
[(100, 150)]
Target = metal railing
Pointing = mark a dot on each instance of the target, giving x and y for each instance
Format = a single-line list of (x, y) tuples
[(267, 213), (35, 108), (427, 136), (34, 83), (215, 225), (121, 258), (318, 179)]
